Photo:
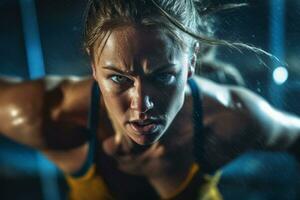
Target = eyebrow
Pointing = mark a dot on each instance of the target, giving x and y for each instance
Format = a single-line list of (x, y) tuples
[(114, 68), (164, 67), (159, 69)]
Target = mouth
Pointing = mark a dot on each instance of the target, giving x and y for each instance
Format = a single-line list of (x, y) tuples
[(145, 127)]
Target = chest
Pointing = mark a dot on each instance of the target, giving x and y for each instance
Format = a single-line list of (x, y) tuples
[(127, 172)]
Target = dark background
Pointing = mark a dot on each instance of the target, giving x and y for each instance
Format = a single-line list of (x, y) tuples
[(25, 174)]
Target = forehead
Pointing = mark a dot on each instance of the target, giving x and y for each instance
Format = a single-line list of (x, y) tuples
[(130, 44)]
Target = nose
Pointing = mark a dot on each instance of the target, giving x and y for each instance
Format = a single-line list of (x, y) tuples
[(141, 101)]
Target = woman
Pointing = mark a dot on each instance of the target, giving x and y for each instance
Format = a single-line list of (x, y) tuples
[(154, 131)]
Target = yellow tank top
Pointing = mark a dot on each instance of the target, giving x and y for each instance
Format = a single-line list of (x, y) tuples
[(91, 186)]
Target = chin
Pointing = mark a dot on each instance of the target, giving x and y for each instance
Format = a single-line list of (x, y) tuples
[(144, 140)]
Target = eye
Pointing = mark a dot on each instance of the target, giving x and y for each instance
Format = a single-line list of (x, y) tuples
[(119, 79), (166, 78)]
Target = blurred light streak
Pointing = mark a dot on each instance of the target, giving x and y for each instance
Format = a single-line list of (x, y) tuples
[(277, 47), (32, 39), (277, 29), (48, 176), (47, 171)]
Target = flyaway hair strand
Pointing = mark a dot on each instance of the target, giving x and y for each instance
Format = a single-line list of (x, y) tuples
[(213, 41), (217, 8)]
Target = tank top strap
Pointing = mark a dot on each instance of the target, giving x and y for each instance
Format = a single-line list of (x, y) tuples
[(93, 115), (197, 120), (92, 125)]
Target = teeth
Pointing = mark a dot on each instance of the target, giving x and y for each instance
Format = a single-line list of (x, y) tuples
[(141, 123)]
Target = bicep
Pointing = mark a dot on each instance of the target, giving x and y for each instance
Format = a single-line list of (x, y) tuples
[(26, 116), (20, 112)]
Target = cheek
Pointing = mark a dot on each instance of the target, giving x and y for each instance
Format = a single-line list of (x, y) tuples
[(179, 95), (172, 99), (180, 91), (115, 103)]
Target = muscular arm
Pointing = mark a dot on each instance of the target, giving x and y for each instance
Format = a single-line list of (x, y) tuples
[(280, 130), (49, 115), (237, 120), (21, 115)]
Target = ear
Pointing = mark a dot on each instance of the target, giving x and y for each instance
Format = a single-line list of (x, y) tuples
[(93, 70), (87, 50), (192, 65), (193, 60)]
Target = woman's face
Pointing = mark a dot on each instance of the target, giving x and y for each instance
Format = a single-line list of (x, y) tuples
[(142, 78)]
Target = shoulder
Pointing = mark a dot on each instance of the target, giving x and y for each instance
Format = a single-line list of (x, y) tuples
[(230, 125), (243, 118), (234, 113), (215, 97), (28, 106), (232, 98), (232, 110)]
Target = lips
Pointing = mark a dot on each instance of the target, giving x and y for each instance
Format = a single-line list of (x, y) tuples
[(144, 126)]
